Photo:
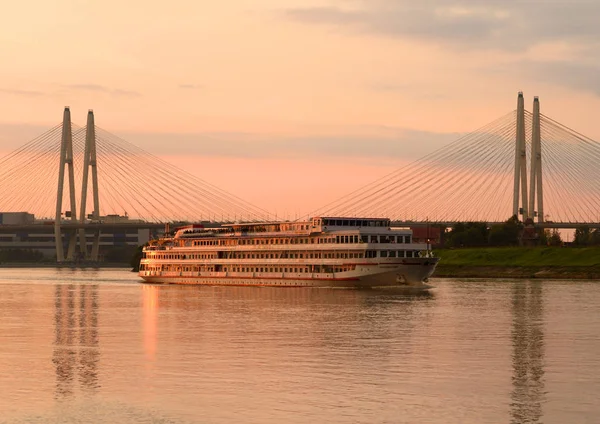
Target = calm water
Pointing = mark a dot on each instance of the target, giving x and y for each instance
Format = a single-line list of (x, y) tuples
[(97, 346)]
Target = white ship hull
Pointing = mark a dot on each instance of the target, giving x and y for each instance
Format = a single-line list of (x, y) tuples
[(413, 272)]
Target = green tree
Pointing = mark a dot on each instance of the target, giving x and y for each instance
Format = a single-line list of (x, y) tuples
[(555, 239), (136, 258), (595, 237), (583, 236), (21, 255), (470, 234), (506, 234), (544, 237), (119, 254)]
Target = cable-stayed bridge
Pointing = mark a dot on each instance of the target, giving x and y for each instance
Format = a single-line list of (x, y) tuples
[(484, 176), (523, 163)]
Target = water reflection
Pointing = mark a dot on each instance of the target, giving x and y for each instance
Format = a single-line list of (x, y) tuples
[(150, 311), (528, 353), (76, 352), (319, 323)]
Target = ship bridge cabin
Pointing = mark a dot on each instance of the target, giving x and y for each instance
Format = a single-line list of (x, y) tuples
[(340, 224)]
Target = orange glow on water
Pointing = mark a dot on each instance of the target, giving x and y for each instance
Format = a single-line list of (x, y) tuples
[(150, 308)]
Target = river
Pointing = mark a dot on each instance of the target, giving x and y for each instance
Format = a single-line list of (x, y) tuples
[(97, 346)]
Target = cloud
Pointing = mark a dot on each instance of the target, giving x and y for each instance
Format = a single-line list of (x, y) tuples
[(412, 89), (102, 89), (190, 86), (16, 92), (579, 76), (465, 24), (126, 93), (387, 143)]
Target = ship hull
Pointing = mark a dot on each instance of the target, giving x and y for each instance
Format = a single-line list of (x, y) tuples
[(412, 273)]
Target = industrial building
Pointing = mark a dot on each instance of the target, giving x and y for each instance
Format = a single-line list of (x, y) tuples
[(20, 230)]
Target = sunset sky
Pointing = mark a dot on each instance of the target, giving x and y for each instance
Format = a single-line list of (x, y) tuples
[(290, 104)]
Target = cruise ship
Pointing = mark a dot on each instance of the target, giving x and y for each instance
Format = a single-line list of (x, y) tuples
[(320, 252)]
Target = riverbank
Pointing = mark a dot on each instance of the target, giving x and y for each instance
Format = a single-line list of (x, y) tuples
[(520, 262), (83, 265)]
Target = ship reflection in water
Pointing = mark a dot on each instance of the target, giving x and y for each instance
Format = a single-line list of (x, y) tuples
[(528, 352), (76, 351)]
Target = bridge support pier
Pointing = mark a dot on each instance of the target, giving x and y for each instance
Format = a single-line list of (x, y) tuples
[(66, 158)]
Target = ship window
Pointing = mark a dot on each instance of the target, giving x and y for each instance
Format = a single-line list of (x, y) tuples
[(373, 239), (409, 254), (383, 254), (408, 239)]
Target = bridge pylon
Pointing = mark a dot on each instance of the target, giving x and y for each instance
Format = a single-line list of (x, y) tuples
[(66, 159), (535, 179), (89, 160), (520, 179)]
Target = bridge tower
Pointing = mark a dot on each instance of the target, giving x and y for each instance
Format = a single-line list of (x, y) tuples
[(66, 158), (535, 179), (89, 160), (520, 162)]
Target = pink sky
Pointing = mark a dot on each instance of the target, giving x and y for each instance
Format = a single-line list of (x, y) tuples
[(250, 75)]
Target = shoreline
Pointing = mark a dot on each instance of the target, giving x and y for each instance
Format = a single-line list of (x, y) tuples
[(533, 272), (63, 265), (442, 270)]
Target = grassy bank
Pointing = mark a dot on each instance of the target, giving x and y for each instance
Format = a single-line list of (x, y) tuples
[(520, 262)]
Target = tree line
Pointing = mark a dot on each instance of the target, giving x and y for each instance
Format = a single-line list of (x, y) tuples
[(512, 232)]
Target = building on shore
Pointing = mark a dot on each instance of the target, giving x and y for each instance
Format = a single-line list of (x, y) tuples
[(21, 230)]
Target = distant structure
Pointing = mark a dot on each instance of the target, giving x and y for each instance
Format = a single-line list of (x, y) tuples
[(66, 165), (89, 160), (22, 230), (66, 159), (528, 200), (535, 181)]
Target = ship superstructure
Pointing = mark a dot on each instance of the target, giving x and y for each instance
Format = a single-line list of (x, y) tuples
[(323, 251)]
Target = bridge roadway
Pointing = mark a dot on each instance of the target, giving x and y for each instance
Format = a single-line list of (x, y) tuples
[(103, 227), (109, 228), (449, 224)]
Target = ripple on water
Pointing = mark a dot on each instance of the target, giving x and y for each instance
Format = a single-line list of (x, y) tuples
[(79, 346)]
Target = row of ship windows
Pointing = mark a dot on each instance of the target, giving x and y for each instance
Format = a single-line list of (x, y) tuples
[(296, 269), (291, 255), (308, 240)]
